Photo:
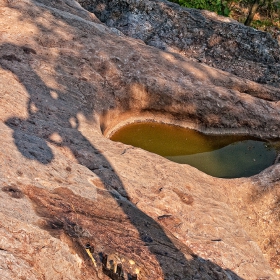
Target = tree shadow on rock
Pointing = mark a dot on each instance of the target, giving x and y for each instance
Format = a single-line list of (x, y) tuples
[(51, 114), (47, 119)]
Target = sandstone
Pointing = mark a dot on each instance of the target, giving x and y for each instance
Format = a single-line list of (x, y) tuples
[(201, 35), (71, 198)]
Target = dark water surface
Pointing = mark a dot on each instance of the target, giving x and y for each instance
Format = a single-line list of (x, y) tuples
[(224, 156)]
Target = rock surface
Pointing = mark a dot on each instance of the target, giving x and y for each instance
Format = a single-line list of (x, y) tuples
[(201, 35), (70, 197)]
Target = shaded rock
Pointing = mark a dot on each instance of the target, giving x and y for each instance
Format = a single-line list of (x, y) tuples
[(202, 35), (66, 189)]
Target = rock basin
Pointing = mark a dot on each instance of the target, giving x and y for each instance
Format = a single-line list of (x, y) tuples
[(64, 185), (224, 156)]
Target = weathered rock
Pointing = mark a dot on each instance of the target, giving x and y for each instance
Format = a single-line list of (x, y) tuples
[(70, 197), (217, 41)]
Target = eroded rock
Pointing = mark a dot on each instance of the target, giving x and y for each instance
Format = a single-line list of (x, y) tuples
[(66, 189), (201, 35)]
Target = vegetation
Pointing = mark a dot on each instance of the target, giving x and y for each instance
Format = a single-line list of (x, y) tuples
[(221, 7), (260, 14)]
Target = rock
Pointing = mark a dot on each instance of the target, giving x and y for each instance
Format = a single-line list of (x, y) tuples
[(70, 198), (232, 47)]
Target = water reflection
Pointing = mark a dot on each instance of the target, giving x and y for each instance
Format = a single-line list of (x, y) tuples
[(240, 159), (225, 156)]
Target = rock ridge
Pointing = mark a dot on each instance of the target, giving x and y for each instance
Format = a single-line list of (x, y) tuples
[(201, 35)]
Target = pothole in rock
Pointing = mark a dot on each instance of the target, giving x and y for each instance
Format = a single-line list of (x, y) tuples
[(224, 156)]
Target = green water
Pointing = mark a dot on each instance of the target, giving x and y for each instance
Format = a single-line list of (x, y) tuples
[(224, 156)]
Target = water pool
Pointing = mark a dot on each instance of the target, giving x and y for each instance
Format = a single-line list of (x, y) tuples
[(225, 156)]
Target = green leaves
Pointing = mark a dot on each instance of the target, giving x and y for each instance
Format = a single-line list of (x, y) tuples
[(219, 6), (269, 11)]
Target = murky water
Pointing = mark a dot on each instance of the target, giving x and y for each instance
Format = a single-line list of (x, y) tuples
[(225, 156)]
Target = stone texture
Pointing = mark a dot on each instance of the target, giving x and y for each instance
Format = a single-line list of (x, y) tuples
[(201, 35), (65, 187)]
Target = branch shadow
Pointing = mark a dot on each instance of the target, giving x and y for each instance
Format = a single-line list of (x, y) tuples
[(50, 121), (203, 36), (37, 131)]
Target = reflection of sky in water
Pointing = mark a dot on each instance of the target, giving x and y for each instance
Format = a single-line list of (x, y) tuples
[(240, 159), (227, 156)]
